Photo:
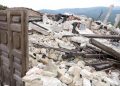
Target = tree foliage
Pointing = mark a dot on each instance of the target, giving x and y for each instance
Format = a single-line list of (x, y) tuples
[(2, 7)]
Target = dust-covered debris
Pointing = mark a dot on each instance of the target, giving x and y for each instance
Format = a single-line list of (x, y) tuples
[(58, 53)]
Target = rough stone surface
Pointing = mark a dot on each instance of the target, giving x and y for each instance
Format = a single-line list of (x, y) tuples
[(67, 79), (48, 67)]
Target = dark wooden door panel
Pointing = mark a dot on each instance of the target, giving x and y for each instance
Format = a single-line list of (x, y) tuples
[(13, 46)]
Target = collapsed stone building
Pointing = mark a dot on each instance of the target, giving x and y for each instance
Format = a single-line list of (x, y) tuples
[(71, 50)]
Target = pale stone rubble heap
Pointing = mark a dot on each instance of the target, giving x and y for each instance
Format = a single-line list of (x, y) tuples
[(49, 68)]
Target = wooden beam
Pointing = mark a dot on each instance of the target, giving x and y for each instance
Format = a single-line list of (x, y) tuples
[(39, 25), (36, 27), (106, 48), (101, 36), (95, 55), (75, 52), (96, 36)]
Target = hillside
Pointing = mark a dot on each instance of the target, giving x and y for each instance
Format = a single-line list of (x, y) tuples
[(93, 12)]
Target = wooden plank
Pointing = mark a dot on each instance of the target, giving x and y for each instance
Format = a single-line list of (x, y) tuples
[(4, 48), (17, 66), (18, 73), (16, 40), (96, 36), (10, 46), (3, 18), (101, 66), (17, 78), (3, 25), (4, 53), (4, 37), (104, 46), (24, 42), (95, 55), (16, 19), (15, 27), (59, 49), (39, 26), (17, 60), (16, 53), (6, 69), (101, 36), (5, 60), (39, 29)]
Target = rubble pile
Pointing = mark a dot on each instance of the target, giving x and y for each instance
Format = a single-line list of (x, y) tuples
[(65, 56)]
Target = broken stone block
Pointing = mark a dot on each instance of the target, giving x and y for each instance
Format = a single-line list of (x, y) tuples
[(43, 51), (45, 81), (80, 39), (63, 84), (33, 70), (99, 83), (85, 73), (61, 72), (67, 26), (31, 77), (86, 82), (56, 27), (70, 63), (74, 70), (32, 62), (70, 47), (61, 34), (34, 83), (32, 55), (62, 64), (98, 75), (44, 60), (78, 82), (67, 79), (112, 82), (50, 81), (65, 45), (76, 60), (51, 67), (115, 77), (71, 70), (81, 64), (39, 56), (96, 27), (34, 50), (52, 56), (41, 65), (60, 56), (55, 55), (89, 68), (76, 74), (49, 74)]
